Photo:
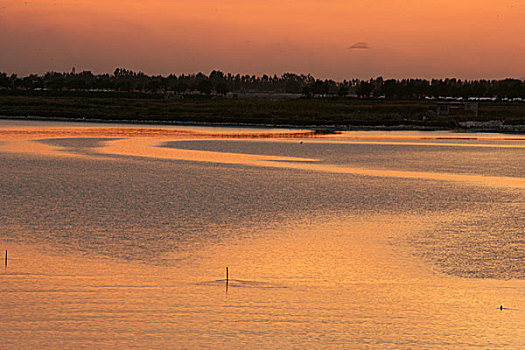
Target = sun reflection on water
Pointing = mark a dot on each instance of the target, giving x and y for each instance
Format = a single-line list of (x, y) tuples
[(119, 238)]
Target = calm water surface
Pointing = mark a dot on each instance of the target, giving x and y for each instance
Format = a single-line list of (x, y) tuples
[(119, 236)]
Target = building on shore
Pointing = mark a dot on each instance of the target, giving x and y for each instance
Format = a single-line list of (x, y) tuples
[(457, 108)]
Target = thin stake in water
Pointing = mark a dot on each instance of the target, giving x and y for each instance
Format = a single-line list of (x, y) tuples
[(6, 259), (227, 279)]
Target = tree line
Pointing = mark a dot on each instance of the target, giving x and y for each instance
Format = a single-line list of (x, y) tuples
[(217, 82)]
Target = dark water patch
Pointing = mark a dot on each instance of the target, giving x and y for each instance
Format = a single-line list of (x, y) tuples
[(485, 244), (144, 210), (449, 159), (77, 145)]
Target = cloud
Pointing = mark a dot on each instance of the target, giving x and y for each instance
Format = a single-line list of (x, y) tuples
[(361, 45)]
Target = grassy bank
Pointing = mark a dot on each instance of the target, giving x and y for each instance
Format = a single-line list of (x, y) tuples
[(341, 112)]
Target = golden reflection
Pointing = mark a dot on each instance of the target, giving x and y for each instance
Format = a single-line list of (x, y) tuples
[(147, 142), (342, 278), (109, 132), (33, 147), (152, 149), (335, 281)]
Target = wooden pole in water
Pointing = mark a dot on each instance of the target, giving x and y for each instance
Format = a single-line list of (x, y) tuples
[(6, 259), (227, 280)]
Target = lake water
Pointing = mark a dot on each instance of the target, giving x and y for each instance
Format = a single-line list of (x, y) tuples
[(119, 237)]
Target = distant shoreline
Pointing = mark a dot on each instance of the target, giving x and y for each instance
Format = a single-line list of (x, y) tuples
[(219, 124), (313, 114), (326, 128)]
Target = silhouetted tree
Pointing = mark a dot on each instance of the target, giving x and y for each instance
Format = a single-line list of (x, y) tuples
[(343, 91), (364, 89), (221, 88), (205, 86)]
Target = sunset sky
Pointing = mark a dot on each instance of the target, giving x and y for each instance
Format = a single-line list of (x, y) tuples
[(339, 39)]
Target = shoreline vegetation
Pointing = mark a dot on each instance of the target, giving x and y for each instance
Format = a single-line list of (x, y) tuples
[(294, 101)]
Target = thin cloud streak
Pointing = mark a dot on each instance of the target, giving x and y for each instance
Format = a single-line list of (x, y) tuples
[(361, 45)]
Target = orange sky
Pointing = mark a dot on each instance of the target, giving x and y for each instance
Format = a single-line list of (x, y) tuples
[(405, 38)]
